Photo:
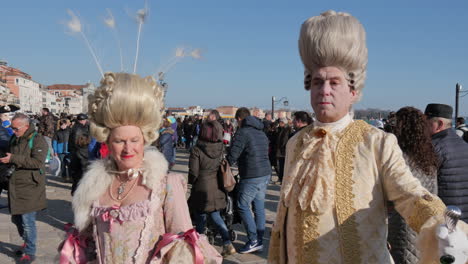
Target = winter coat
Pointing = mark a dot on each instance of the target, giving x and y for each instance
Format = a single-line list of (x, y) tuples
[(249, 149), (452, 177), (401, 237), (27, 184), (4, 138), (166, 144), (188, 130), (47, 125), (283, 137), (206, 194), (60, 141), (78, 131)]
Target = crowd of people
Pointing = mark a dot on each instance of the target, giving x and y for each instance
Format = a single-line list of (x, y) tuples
[(350, 192)]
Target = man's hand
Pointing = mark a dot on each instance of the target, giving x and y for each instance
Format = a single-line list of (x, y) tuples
[(453, 243), (6, 159)]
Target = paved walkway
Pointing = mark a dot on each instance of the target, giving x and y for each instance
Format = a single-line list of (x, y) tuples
[(51, 221)]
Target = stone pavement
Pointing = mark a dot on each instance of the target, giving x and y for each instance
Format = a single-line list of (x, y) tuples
[(51, 221)]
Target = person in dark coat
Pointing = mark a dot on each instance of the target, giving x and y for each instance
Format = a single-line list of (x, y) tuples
[(415, 142), (4, 145), (249, 149), (60, 146), (166, 142), (207, 196), (180, 132), (26, 195), (188, 132), (284, 130), (452, 176), (78, 146)]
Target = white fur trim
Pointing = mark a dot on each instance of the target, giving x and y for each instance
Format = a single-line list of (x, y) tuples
[(97, 180)]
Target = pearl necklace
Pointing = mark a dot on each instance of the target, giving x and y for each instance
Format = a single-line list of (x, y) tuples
[(121, 188)]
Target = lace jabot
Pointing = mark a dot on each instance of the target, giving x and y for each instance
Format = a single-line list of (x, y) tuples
[(310, 172)]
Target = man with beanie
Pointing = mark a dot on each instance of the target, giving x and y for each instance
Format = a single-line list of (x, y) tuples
[(452, 174)]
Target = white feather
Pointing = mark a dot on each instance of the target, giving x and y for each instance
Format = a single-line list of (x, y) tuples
[(74, 25), (109, 21)]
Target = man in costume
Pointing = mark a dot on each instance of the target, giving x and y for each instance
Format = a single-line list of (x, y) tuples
[(340, 173)]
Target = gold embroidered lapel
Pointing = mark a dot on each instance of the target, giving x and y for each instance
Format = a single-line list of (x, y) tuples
[(345, 210)]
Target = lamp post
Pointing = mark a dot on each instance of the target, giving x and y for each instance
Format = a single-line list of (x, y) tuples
[(273, 102), (458, 88)]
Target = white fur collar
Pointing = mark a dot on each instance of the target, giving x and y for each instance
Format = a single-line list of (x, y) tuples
[(97, 179)]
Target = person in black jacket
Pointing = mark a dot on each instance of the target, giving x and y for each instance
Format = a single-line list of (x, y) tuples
[(78, 148), (452, 177), (249, 150)]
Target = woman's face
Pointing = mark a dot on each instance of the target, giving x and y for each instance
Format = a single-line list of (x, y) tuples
[(126, 145), (330, 95), (212, 117)]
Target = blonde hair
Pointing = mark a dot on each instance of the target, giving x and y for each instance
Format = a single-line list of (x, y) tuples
[(126, 99), (338, 40)]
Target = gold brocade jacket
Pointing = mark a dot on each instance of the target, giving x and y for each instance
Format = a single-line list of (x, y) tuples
[(346, 221)]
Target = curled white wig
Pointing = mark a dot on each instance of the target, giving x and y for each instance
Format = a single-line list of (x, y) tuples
[(125, 99), (338, 40)]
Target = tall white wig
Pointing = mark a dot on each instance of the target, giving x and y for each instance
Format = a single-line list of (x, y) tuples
[(126, 99), (338, 40)]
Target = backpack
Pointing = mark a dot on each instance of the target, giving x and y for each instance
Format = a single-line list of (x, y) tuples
[(465, 136), (465, 133), (30, 144)]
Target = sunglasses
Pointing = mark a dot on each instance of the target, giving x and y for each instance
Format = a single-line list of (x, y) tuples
[(16, 128)]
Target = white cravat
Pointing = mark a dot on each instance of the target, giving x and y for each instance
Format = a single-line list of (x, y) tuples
[(336, 126)]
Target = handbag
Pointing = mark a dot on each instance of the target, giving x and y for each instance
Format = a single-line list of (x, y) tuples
[(227, 178)]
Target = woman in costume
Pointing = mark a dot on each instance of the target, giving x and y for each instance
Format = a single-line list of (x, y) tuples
[(340, 173), (207, 197), (127, 205), (415, 142)]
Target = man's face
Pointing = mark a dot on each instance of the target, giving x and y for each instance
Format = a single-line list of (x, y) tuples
[(83, 122), (19, 126), (434, 126), (330, 95), (4, 117), (43, 112), (297, 123), (268, 117)]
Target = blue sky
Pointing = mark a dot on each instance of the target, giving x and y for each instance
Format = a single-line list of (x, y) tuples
[(418, 50)]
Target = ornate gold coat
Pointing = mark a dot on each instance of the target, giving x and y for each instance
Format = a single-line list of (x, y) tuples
[(333, 200)]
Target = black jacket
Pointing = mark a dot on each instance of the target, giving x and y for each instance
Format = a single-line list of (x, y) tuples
[(249, 149), (452, 176)]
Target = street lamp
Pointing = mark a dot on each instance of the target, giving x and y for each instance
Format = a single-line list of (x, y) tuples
[(273, 102), (163, 84)]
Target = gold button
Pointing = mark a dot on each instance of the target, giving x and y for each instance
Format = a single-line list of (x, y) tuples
[(321, 132), (428, 197)]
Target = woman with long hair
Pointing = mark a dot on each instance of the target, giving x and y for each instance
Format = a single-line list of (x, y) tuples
[(415, 142), (207, 197)]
